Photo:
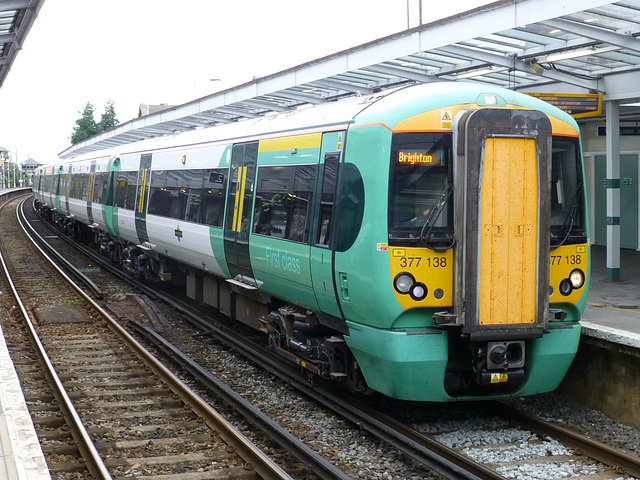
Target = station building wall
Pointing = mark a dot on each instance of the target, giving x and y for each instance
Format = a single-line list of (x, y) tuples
[(594, 150)]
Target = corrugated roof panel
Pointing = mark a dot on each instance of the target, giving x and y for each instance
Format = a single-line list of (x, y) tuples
[(16, 19)]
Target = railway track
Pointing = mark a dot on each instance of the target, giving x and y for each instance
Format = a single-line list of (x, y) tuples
[(104, 408), (431, 448)]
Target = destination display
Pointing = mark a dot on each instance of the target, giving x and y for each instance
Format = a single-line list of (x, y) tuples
[(578, 105), (421, 157)]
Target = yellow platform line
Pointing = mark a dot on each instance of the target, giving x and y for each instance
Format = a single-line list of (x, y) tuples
[(634, 310)]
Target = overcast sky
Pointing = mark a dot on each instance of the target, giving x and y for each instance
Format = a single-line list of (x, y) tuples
[(161, 51)]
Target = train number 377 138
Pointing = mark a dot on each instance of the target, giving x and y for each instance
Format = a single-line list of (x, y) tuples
[(566, 259), (435, 262)]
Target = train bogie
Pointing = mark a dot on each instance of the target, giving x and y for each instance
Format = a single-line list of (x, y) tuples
[(429, 243)]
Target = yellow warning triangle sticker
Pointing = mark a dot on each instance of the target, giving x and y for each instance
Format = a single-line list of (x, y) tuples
[(446, 116)]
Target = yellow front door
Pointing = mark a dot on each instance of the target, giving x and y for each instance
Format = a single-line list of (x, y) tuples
[(508, 232)]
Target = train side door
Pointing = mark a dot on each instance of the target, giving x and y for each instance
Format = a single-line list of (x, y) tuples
[(65, 183), (244, 158), (109, 211), (59, 190), (322, 232), (144, 177), (92, 176)]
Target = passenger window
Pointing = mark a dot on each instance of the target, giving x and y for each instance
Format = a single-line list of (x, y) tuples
[(126, 186), (157, 193), (283, 201), (79, 184), (193, 187), (100, 183), (176, 194)]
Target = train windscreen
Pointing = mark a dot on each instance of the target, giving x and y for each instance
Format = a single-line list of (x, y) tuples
[(421, 187), (567, 193)]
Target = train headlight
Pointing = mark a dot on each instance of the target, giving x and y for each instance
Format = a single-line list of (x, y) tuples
[(418, 291), (577, 278), (403, 282)]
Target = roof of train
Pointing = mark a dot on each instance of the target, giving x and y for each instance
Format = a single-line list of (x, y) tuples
[(333, 116)]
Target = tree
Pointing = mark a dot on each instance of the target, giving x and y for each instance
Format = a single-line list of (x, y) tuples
[(108, 119), (86, 125)]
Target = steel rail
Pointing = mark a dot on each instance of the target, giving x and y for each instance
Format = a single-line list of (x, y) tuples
[(320, 466), (596, 450), (262, 464), (86, 280), (90, 454)]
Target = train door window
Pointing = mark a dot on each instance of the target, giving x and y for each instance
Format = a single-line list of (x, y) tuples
[(420, 183), (283, 198), (244, 157), (327, 199), (567, 193), (214, 190)]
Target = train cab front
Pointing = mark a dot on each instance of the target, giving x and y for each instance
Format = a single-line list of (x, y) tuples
[(518, 321), (499, 263)]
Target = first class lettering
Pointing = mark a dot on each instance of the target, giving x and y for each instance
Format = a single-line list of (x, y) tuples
[(413, 158), (282, 261)]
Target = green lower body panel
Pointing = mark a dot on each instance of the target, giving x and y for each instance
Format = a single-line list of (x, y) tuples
[(405, 365), (411, 365), (549, 359)]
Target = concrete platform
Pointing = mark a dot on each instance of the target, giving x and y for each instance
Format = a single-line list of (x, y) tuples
[(21, 457), (613, 308)]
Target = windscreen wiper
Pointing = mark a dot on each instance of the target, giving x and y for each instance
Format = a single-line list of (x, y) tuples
[(432, 218), (567, 225)]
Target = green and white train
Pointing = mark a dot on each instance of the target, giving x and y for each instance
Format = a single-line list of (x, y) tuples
[(429, 243)]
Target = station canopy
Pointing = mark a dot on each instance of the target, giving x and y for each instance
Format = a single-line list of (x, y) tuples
[(550, 46), (16, 19)]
